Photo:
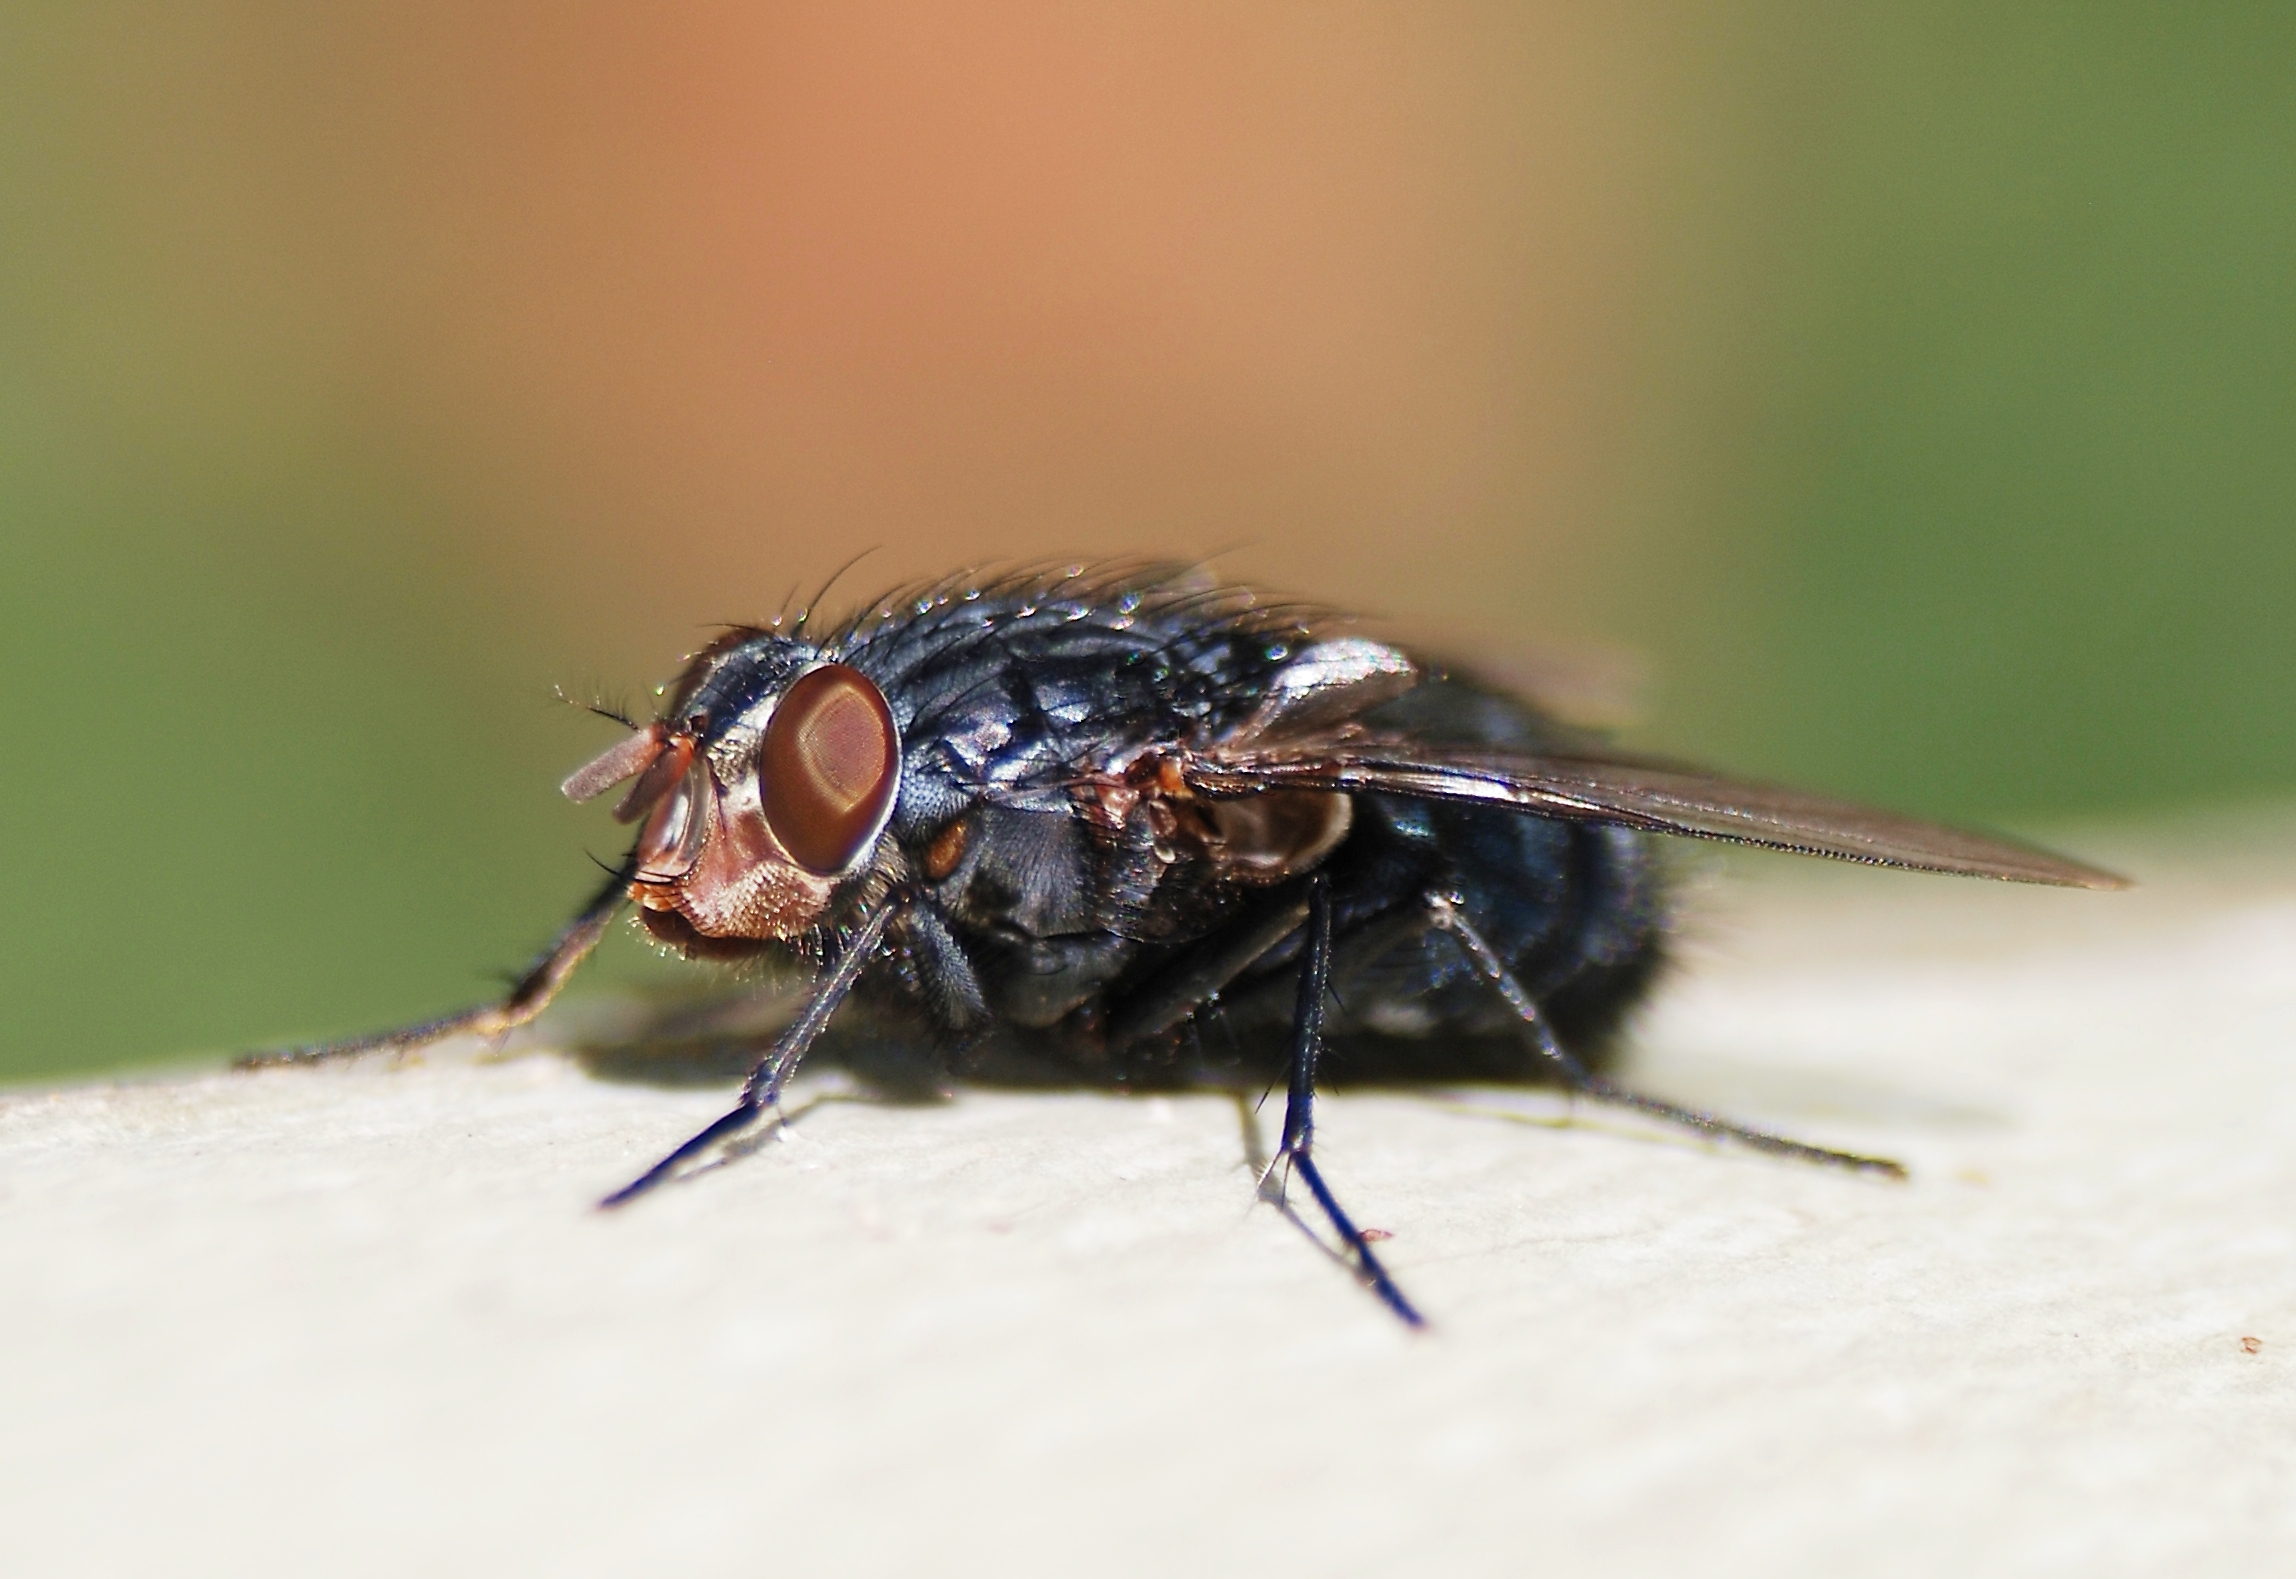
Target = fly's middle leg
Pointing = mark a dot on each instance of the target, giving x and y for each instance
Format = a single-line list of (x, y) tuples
[(1297, 1152)]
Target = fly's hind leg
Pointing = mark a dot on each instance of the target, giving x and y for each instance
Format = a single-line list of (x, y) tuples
[(1575, 1075), (528, 997), (1297, 1153)]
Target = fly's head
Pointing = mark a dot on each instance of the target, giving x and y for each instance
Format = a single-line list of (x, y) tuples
[(768, 780)]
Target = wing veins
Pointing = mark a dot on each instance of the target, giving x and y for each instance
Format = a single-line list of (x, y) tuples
[(1578, 785)]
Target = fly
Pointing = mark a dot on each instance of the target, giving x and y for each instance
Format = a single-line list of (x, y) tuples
[(1095, 814)]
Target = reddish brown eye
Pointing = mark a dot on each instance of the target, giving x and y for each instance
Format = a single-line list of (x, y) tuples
[(828, 768)]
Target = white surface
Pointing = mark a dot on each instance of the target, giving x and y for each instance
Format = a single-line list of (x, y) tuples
[(361, 1320)]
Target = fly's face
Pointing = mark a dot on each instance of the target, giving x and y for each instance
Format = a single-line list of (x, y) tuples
[(770, 780)]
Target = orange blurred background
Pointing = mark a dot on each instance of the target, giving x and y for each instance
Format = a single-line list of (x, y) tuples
[(697, 302)]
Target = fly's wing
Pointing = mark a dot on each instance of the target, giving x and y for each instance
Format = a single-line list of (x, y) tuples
[(1657, 796)]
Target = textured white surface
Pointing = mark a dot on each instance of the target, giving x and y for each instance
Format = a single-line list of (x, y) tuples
[(360, 1321)]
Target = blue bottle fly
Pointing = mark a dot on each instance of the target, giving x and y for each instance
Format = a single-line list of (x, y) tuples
[(1134, 825)]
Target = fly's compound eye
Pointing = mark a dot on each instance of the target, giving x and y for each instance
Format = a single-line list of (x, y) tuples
[(828, 768)]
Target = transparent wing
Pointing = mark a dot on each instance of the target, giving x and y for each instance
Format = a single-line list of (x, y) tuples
[(1658, 796)]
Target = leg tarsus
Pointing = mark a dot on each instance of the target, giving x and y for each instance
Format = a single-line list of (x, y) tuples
[(1746, 1135), (1583, 1081), (1375, 1276), (528, 997), (1297, 1152), (762, 1090), (739, 1119)]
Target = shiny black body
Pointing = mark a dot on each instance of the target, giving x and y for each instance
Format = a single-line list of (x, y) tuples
[(1024, 958)]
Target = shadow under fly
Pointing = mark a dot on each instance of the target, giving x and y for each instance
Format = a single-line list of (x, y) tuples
[(1107, 822)]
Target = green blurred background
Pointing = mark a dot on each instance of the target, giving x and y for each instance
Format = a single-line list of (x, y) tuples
[(1914, 388)]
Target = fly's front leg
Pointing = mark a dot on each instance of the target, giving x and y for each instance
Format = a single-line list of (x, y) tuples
[(762, 1089), (1446, 915), (1297, 1152), (526, 999)]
